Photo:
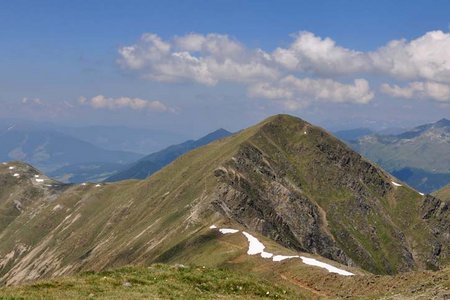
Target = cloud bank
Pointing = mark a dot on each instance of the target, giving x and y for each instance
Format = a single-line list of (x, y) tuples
[(309, 69), (102, 102)]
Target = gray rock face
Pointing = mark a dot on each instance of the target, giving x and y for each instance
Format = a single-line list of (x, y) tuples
[(258, 197), (436, 212), (314, 194)]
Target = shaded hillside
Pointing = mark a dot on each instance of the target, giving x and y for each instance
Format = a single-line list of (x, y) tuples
[(420, 156), (149, 164), (301, 191)]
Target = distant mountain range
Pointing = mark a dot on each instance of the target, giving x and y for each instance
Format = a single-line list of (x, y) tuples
[(78, 154), (420, 156), (123, 138), (138, 169), (353, 134), (49, 150), (149, 164), (116, 138)]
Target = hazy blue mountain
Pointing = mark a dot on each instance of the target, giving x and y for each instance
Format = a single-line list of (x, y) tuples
[(120, 138), (353, 134), (155, 161), (124, 138), (49, 150), (422, 180), (419, 156)]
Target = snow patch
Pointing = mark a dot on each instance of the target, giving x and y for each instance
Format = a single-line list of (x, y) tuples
[(84, 183), (36, 176), (12, 168), (227, 230), (39, 180), (395, 183), (283, 257), (16, 175), (421, 194), (329, 268), (255, 246), (98, 185), (266, 254)]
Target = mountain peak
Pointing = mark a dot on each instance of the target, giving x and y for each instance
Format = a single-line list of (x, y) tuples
[(443, 122), (283, 118)]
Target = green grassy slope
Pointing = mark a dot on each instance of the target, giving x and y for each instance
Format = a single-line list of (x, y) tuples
[(304, 192), (162, 281), (155, 282), (443, 193)]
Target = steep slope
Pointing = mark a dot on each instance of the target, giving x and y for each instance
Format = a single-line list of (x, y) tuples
[(420, 156), (149, 164), (49, 150), (292, 185), (443, 193)]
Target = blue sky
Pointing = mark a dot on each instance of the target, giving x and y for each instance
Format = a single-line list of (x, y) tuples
[(64, 61)]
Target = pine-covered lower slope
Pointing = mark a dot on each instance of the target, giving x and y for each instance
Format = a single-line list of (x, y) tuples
[(282, 179)]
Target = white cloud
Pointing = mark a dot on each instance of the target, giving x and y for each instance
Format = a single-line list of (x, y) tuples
[(296, 92), (419, 90), (102, 102), (205, 59), (310, 53), (427, 57), (213, 58), (36, 101)]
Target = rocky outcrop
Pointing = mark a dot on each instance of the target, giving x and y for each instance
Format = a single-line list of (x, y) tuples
[(303, 188), (260, 198)]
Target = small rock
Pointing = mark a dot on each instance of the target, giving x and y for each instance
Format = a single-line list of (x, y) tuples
[(126, 284)]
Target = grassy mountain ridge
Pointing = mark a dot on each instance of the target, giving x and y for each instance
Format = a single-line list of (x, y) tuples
[(290, 183)]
